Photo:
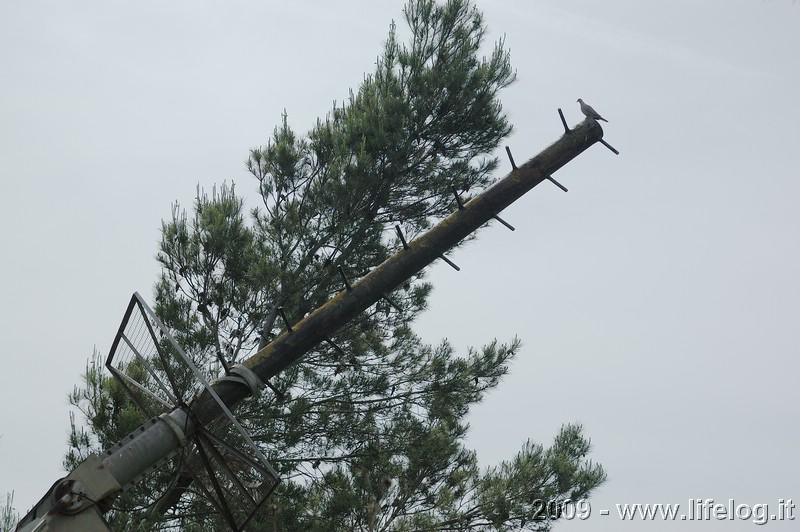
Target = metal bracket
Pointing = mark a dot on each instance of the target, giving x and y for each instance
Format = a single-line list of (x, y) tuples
[(511, 158), (508, 225), (402, 238), (344, 277), (285, 319), (556, 183), (245, 376), (450, 262), (609, 146), (335, 347), (567, 130), (458, 198), (392, 303)]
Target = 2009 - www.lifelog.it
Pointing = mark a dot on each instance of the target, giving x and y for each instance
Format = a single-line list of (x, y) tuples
[(698, 510)]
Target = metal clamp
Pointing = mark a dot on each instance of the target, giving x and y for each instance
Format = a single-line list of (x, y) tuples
[(176, 428), (247, 376)]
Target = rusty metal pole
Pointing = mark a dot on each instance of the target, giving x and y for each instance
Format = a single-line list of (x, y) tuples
[(323, 323)]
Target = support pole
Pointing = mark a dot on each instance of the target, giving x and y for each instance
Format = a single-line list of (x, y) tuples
[(322, 323), (155, 441)]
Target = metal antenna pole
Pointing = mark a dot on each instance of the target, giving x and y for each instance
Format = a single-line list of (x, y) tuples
[(82, 492), (322, 323)]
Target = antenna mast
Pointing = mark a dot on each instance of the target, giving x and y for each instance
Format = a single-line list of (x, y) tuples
[(78, 501)]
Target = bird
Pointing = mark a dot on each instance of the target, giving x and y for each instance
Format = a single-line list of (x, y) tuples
[(589, 111)]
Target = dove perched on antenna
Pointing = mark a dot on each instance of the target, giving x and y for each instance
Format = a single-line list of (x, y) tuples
[(589, 111)]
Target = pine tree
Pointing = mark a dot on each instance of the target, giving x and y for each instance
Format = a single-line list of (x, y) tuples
[(8, 515), (369, 436)]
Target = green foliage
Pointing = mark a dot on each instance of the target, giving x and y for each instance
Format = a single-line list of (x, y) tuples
[(370, 437), (8, 515)]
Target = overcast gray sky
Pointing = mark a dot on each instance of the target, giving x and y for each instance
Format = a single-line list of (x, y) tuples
[(657, 300)]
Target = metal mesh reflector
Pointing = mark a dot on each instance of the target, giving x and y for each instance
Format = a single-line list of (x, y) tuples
[(228, 468), (148, 363)]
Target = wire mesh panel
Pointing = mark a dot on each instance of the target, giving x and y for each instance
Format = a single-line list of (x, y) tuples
[(237, 477), (159, 376), (148, 363), (237, 482)]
